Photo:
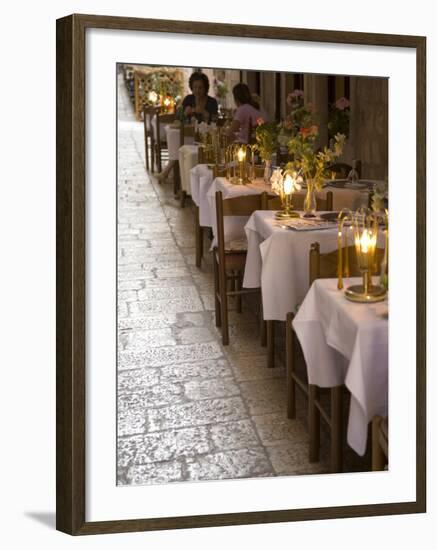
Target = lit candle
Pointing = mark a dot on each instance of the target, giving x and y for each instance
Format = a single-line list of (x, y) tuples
[(288, 184), (153, 96), (241, 154), (365, 242)]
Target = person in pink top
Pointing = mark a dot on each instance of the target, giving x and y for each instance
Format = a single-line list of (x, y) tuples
[(246, 114)]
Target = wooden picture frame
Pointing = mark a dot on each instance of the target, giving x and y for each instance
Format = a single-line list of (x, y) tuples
[(71, 248)]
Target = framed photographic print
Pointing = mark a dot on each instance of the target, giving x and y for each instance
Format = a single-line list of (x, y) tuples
[(236, 341)]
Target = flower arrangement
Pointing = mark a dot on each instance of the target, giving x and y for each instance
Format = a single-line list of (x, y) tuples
[(166, 91), (339, 114), (277, 181), (313, 165), (266, 134), (299, 116)]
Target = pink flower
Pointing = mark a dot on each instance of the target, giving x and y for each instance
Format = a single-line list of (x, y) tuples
[(260, 121), (342, 103), (314, 130), (288, 124), (297, 93)]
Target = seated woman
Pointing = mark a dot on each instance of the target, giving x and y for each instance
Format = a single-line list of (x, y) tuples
[(199, 104), (246, 114)]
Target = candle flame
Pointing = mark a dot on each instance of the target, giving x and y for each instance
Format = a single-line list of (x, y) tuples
[(241, 155), (288, 184)]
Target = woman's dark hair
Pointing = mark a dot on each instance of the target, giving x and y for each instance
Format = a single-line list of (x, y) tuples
[(242, 94), (199, 76)]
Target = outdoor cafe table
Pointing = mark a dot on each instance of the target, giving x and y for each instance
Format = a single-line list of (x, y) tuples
[(346, 343), (201, 178), (172, 133), (234, 227), (277, 261), (188, 157)]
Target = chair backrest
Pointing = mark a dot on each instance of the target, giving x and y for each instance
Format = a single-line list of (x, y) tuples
[(244, 205), (325, 266), (273, 202), (186, 131), (342, 169), (148, 114), (163, 118)]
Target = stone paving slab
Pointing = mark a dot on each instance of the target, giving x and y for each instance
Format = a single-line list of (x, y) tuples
[(250, 462), (158, 357), (199, 413)]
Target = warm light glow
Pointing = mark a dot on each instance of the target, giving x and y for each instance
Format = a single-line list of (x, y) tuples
[(288, 184), (167, 101), (367, 242), (153, 97), (241, 155)]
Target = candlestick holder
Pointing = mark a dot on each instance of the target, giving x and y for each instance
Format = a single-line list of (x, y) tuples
[(364, 226), (284, 184), (237, 158)]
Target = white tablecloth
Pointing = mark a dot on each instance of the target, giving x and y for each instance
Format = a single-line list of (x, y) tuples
[(201, 178), (188, 156), (277, 261), (346, 343), (173, 137)]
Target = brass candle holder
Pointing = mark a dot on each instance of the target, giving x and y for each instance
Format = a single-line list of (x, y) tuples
[(285, 184), (364, 226), (237, 157)]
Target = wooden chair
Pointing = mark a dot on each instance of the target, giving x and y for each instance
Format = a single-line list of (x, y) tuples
[(321, 266), (160, 143), (379, 443), (198, 229), (148, 114), (186, 131), (229, 260), (342, 169), (273, 202)]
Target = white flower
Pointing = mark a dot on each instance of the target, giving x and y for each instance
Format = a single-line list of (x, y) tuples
[(276, 180)]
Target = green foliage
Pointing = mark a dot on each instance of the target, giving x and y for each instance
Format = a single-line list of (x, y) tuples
[(338, 122), (267, 139), (167, 85), (313, 165)]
